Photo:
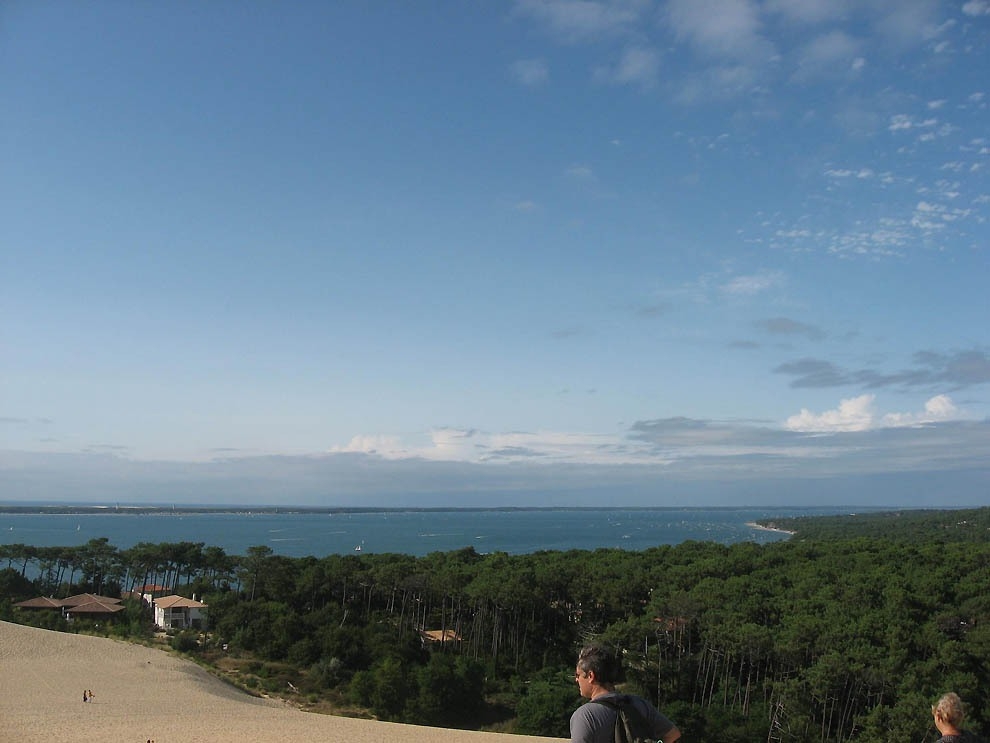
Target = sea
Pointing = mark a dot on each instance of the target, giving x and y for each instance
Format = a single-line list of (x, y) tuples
[(412, 532)]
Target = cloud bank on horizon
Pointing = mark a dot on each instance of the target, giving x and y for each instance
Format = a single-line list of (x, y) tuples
[(648, 251)]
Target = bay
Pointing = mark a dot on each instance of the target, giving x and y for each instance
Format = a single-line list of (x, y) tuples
[(300, 534)]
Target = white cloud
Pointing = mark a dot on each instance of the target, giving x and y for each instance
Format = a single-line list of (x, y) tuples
[(531, 72), (364, 444), (899, 122), (976, 8), (807, 11), (929, 217), (909, 22), (937, 409), (450, 444), (442, 444), (474, 446), (854, 414), (826, 55), (861, 174), (720, 28), (638, 66), (580, 172), (857, 414)]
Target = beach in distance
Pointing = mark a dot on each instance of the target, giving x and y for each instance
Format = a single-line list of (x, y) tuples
[(143, 694), (321, 532)]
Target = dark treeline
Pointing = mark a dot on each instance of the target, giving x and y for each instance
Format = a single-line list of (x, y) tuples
[(957, 525), (834, 635)]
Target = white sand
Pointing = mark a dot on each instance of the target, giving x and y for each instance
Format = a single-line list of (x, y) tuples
[(146, 694)]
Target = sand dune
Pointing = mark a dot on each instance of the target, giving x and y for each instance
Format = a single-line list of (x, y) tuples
[(146, 694)]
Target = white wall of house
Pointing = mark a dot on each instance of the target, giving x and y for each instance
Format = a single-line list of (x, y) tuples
[(181, 615)]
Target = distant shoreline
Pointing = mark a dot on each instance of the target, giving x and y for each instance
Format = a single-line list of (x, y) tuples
[(165, 510), (761, 527)]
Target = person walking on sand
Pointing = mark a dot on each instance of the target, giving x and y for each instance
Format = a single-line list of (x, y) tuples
[(598, 669), (85, 695)]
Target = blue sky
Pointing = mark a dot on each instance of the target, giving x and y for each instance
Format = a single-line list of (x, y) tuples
[(546, 252)]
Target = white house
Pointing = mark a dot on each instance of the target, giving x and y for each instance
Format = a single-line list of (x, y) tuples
[(178, 612)]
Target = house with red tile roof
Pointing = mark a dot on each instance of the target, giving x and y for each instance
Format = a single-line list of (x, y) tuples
[(87, 598), (42, 602), (81, 605), (94, 609), (178, 612)]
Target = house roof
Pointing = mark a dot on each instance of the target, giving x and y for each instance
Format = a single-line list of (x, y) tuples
[(437, 635), (42, 602), (85, 598), (178, 602), (95, 607)]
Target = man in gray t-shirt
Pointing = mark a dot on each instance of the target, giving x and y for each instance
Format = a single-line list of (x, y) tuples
[(596, 673)]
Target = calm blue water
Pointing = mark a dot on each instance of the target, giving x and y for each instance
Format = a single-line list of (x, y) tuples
[(414, 533)]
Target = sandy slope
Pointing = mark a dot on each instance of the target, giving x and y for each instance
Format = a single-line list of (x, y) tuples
[(146, 694)]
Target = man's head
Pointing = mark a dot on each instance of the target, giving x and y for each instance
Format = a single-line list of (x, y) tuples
[(597, 669)]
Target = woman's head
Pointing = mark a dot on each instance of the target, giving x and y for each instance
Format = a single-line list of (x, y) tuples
[(949, 708)]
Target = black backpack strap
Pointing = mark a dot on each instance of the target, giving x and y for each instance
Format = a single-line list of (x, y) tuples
[(616, 702)]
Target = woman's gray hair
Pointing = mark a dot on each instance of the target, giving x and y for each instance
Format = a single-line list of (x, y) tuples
[(950, 708)]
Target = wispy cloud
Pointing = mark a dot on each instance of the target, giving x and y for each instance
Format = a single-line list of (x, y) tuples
[(904, 122), (581, 20), (720, 28), (637, 66), (829, 55), (565, 333), (753, 284), (813, 373), (954, 371), (656, 309), (580, 172), (788, 327), (809, 12), (976, 8), (473, 445), (860, 173), (531, 72)]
